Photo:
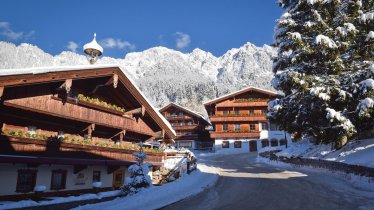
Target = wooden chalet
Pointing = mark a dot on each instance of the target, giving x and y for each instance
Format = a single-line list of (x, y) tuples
[(189, 125), (239, 119), (72, 129)]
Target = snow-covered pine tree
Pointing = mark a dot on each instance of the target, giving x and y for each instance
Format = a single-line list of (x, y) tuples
[(360, 63), (139, 177), (324, 49)]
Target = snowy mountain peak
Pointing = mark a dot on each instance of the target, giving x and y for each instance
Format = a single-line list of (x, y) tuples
[(166, 75)]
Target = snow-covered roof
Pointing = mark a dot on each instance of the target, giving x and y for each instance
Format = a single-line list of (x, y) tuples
[(196, 114), (42, 70), (240, 92)]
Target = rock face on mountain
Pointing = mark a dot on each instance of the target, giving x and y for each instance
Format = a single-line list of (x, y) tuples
[(166, 75)]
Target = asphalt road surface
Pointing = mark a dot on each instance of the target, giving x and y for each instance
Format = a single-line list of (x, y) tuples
[(245, 184)]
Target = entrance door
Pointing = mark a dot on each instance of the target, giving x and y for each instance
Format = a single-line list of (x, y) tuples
[(118, 177), (253, 146)]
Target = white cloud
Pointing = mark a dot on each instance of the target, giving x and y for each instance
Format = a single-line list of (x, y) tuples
[(7, 31), (117, 43), (72, 46), (182, 40)]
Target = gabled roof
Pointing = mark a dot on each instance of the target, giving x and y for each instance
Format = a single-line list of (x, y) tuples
[(196, 114), (250, 88), (156, 116)]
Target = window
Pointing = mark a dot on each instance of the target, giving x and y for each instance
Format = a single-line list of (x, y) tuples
[(225, 112), (252, 127), (225, 127), (251, 112), (265, 143), (237, 127), (181, 123), (237, 112), (282, 142), (225, 144), (167, 114), (26, 180), (180, 114), (274, 143), (263, 111), (189, 133), (96, 176), (173, 124), (237, 144), (264, 126), (174, 114), (185, 144), (58, 180), (190, 123)]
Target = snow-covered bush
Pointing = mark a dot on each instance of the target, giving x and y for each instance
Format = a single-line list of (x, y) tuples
[(139, 177)]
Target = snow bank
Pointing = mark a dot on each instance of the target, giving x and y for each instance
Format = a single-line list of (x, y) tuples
[(56, 200), (306, 149), (338, 180), (360, 152), (157, 197)]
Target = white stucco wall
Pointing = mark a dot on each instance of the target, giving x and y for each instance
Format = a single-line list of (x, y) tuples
[(8, 177), (193, 143), (231, 149), (275, 135)]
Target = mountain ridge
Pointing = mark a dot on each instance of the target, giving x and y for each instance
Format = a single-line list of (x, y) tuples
[(166, 75)]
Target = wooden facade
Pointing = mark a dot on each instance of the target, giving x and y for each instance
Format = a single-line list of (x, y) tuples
[(189, 126), (78, 118), (239, 116)]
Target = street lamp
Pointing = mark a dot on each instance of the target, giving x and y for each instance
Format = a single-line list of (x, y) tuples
[(93, 50)]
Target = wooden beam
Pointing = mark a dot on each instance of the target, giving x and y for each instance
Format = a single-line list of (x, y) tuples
[(123, 133), (113, 80), (1, 92), (136, 111), (159, 134), (89, 129), (67, 85)]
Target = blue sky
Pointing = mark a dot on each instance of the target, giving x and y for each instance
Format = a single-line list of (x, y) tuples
[(124, 26)]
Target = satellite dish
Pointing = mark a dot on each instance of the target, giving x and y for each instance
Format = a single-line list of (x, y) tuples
[(93, 50)]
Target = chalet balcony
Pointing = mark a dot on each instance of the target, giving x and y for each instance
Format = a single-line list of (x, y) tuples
[(50, 150), (235, 134), (237, 118), (185, 127), (243, 103), (178, 117), (187, 137), (82, 112)]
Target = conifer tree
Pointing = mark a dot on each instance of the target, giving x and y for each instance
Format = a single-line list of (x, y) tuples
[(324, 66), (139, 177)]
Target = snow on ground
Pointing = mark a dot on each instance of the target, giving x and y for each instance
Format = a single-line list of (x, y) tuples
[(56, 200), (360, 152), (157, 197), (363, 185), (151, 198)]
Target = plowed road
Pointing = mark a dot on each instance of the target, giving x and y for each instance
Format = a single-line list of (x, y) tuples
[(245, 184)]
